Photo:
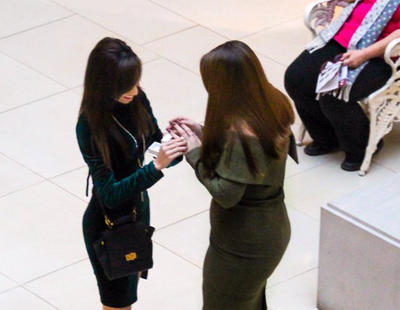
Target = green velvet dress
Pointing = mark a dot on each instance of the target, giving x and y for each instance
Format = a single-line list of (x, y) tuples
[(119, 189), (250, 228)]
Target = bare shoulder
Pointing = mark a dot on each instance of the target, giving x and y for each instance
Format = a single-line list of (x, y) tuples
[(246, 129)]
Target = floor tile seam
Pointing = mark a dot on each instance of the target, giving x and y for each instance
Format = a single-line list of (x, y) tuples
[(67, 172), (67, 191), (9, 289), (303, 213), (144, 44), (308, 169), (194, 22), (34, 69), (37, 26), (24, 166), (22, 189), (9, 278), (177, 254), (190, 19), (271, 27), (35, 101), (382, 165), (216, 32), (271, 59), (152, 60), (67, 87), (24, 284), (182, 220), (305, 170), (292, 278), (157, 55), (50, 178), (62, 6), (93, 22), (149, 1), (181, 66), (120, 36), (40, 297)]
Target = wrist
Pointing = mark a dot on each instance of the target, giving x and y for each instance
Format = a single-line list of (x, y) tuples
[(199, 130), (366, 54), (157, 165)]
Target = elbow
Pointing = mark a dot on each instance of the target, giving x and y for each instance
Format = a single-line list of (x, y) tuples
[(396, 34), (108, 198), (226, 203), (109, 202)]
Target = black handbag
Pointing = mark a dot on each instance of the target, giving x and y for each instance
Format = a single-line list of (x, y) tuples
[(125, 247)]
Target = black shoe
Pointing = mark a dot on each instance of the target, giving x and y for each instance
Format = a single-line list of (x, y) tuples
[(352, 163), (348, 165), (315, 149)]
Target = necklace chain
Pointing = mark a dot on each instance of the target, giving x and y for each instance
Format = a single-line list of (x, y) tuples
[(137, 147), (126, 130), (133, 138)]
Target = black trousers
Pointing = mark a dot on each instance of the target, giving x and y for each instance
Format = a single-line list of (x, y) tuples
[(332, 121)]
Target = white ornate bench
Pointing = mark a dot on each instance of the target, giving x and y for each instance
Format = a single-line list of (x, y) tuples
[(382, 106)]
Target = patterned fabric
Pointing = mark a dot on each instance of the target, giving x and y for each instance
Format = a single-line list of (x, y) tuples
[(329, 32), (367, 34), (349, 28)]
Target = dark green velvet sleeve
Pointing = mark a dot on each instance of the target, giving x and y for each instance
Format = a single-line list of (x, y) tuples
[(157, 135), (113, 192), (226, 193)]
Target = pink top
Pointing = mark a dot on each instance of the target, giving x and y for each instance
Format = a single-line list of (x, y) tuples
[(343, 37)]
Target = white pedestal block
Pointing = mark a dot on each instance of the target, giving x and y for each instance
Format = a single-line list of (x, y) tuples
[(359, 264)]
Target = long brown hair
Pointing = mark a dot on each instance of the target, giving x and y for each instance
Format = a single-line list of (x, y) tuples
[(112, 70), (240, 97)]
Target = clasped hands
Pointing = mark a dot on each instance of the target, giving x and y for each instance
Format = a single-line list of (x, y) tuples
[(186, 136)]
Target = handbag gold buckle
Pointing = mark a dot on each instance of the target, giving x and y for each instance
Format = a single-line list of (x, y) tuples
[(131, 257), (134, 215), (108, 222)]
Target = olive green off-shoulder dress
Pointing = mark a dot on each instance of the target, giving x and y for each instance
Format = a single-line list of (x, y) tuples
[(250, 229)]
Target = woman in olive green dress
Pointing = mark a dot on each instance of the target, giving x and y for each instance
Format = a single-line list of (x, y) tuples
[(115, 127), (240, 158)]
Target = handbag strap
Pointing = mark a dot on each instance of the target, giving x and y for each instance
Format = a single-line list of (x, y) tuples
[(107, 220), (118, 221)]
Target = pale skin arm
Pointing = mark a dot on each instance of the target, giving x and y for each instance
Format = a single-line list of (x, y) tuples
[(355, 58)]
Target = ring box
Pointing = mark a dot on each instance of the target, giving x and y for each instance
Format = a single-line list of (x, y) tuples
[(155, 147)]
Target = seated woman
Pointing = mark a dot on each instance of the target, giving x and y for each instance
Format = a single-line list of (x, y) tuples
[(335, 120)]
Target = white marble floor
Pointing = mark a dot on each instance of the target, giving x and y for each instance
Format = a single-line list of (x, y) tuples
[(44, 46)]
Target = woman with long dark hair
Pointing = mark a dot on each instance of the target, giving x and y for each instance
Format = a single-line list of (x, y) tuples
[(240, 158), (114, 129)]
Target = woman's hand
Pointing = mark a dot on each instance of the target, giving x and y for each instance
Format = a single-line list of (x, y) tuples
[(193, 125), (193, 141), (170, 151), (354, 58)]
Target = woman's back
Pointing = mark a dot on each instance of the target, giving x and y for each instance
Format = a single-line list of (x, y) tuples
[(247, 227)]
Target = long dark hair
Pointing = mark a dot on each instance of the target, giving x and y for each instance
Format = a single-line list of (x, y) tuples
[(240, 97), (112, 70)]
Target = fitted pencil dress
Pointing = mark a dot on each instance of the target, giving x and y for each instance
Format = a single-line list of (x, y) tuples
[(250, 229), (119, 189)]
